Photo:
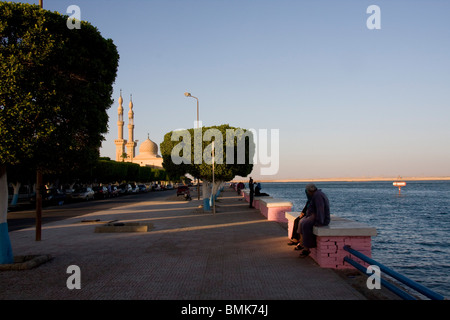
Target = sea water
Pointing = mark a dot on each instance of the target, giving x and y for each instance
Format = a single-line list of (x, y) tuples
[(413, 226)]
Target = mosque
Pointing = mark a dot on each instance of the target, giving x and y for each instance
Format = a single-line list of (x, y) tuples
[(126, 150)]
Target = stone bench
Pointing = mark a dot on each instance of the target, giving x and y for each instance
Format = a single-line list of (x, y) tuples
[(331, 239), (274, 209), (256, 200), (246, 195)]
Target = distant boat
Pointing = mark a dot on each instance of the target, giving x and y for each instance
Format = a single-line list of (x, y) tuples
[(399, 184)]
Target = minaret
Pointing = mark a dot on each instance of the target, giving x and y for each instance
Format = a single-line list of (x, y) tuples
[(120, 142), (131, 145), (120, 114)]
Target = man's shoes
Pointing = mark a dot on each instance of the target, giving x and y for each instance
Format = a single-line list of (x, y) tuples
[(292, 243), (304, 254), (299, 247)]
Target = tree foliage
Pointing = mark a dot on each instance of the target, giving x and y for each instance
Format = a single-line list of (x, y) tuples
[(55, 88), (103, 171), (107, 171), (234, 150)]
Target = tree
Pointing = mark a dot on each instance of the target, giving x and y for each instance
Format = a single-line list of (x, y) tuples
[(55, 88), (17, 175), (190, 152)]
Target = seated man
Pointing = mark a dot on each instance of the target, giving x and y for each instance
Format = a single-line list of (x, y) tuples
[(317, 214), (258, 191), (295, 236), (240, 186)]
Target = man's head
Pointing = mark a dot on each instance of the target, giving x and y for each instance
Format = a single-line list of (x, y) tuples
[(310, 189)]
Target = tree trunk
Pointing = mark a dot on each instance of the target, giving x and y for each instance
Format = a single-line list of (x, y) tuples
[(38, 204), (6, 255), (15, 197), (206, 192), (216, 188)]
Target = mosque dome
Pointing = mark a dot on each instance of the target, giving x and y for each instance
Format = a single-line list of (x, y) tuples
[(148, 148)]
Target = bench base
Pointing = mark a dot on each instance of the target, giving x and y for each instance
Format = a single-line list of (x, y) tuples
[(330, 253), (275, 213)]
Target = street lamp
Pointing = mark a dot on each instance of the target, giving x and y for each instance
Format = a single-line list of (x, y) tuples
[(39, 186), (187, 94)]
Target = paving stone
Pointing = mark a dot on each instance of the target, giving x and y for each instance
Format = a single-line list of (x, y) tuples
[(233, 254)]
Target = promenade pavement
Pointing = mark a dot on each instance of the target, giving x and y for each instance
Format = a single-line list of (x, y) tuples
[(233, 254)]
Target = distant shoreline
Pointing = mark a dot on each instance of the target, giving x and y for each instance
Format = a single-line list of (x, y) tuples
[(349, 179)]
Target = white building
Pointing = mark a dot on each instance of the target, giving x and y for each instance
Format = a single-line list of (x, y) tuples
[(126, 150)]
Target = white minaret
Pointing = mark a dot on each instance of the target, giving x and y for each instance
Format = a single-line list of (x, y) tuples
[(131, 144), (120, 142)]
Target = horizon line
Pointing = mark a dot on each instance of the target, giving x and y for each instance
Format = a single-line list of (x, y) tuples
[(350, 179)]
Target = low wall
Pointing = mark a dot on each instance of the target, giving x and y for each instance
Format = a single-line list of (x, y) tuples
[(256, 201), (272, 209), (275, 209), (331, 239)]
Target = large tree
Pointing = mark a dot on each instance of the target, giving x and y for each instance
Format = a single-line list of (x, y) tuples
[(190, 151), (55, 89)]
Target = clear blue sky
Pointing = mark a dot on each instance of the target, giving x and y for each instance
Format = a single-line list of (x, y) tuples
[(348, 101)]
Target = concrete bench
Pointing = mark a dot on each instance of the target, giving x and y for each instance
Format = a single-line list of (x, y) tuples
[(331, 239), (274, 209), (246, 195), (256, 200)]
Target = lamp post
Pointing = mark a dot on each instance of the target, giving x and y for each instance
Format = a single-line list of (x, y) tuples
[(39, 188), (212, 189), (187, 94)]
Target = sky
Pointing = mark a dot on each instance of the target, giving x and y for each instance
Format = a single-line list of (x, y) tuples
[(345, 100)]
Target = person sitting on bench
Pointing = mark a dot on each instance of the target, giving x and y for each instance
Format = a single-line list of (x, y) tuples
[(258, 191)]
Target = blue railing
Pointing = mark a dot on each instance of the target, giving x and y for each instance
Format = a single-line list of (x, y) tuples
[(410, 283)]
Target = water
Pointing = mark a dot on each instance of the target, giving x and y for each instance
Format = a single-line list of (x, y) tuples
[(413, 227)]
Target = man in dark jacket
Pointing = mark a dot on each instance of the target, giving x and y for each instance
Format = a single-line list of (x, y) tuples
[(317, 214)]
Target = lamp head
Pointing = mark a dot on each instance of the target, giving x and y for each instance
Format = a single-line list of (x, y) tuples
[(187, 94)]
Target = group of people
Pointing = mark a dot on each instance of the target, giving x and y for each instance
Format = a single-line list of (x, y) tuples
[(255, 191)]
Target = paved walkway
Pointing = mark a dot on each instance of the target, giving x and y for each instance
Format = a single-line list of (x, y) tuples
[(234, 254)]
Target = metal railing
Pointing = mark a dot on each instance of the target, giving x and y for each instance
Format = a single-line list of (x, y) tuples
[(410, 283)]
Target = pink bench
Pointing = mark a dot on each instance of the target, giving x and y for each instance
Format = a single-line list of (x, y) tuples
[(275, 209), (256, 201), (331, 240)]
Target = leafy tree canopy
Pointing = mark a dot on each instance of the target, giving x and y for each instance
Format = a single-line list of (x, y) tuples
[(190, 152), (55, 88)]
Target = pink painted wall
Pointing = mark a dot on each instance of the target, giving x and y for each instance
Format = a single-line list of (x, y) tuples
[(330, 252)]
